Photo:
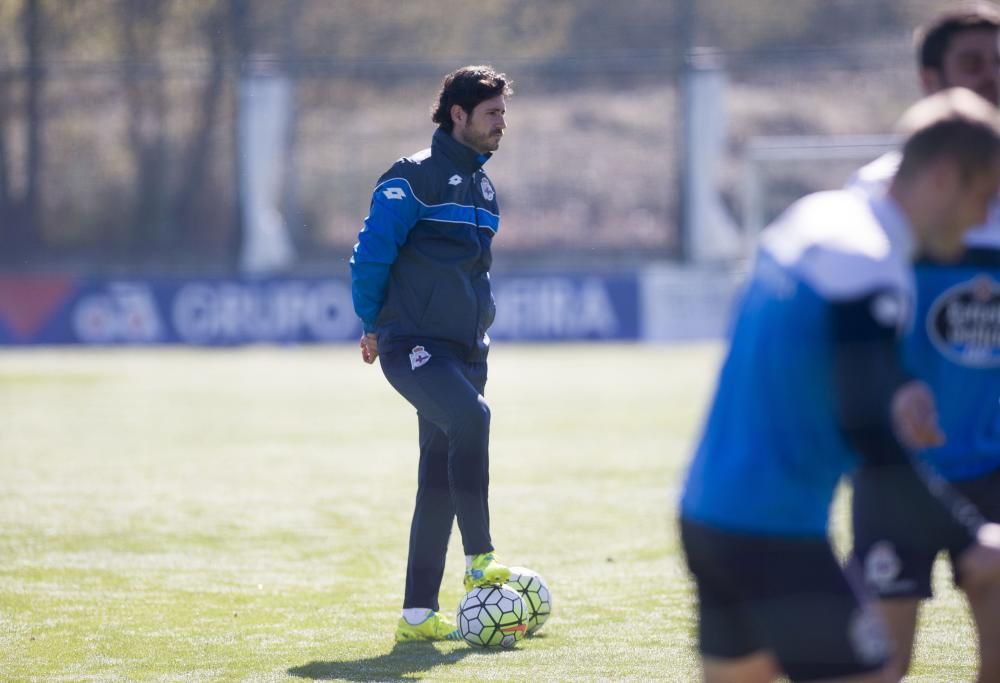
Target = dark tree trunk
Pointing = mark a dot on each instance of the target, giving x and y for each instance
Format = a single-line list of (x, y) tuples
[(6, 208), (195, 166), (27, 224), (147, 106)]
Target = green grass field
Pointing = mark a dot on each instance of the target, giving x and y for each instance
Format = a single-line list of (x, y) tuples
[(242, 515)]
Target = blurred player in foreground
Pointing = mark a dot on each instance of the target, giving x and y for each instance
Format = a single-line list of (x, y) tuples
[(816, 341), (955, 347), (420, 280)]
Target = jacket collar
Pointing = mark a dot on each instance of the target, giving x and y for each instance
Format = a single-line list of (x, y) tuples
[(896, 225), (465, 158)]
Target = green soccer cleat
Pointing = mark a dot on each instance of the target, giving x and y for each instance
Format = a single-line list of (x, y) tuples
[(434, 627), (485, 571)]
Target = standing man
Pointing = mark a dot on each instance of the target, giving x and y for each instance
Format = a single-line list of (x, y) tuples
[(816, 337), (421, 286), (955, 347)]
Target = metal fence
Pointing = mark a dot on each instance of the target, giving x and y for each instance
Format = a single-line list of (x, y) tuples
[(139, 166), (135, 165)]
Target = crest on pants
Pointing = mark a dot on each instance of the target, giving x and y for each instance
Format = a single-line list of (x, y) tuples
[(418, 357)]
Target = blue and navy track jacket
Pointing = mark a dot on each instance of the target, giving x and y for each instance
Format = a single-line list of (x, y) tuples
[(420, 269)]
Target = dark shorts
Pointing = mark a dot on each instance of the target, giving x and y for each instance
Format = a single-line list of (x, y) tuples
[(787, 596), (893, 568)]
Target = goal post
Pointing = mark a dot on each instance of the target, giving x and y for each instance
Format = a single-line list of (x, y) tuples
[(763, 152)]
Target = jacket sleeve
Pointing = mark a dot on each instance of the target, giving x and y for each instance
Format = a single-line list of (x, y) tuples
[(916, 504), (393, 213)]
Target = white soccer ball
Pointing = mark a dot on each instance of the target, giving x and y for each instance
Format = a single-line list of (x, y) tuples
[(536, 594), (492, 616)]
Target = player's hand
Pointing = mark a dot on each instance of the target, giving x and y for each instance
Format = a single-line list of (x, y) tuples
[(915, 418), (369, 347), (980, 563)]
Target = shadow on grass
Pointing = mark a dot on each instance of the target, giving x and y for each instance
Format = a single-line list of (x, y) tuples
[(395, 665)]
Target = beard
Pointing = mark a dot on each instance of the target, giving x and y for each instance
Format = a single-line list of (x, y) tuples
[(488, 141)]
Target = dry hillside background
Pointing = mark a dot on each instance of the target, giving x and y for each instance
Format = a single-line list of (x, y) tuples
[(117, 134)]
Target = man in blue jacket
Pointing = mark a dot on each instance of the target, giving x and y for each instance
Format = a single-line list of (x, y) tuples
[(421, 286)]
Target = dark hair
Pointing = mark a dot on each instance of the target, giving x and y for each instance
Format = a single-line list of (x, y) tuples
[(467, 87), (954, 123), (932, 40)]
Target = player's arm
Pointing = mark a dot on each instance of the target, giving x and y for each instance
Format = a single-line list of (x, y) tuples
[(879, 404), (393, 213)]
